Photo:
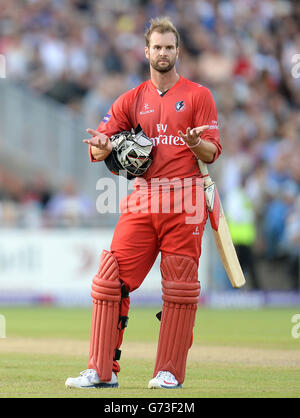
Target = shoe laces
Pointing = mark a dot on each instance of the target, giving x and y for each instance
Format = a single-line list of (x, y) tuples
[(87, 372), (92, 373), (166, 376)]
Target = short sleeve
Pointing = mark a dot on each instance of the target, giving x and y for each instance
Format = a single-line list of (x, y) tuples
[(206, 114), (117, 119)]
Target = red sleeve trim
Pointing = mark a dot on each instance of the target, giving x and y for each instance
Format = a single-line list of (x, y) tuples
[(218, 151)]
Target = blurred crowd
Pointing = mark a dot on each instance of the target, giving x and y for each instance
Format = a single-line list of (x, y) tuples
[(85, 53), (39, 204)]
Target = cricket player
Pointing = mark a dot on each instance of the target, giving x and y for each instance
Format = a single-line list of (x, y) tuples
[(180, 118)]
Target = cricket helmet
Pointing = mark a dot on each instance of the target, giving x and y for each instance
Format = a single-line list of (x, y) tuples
[(131, 154)]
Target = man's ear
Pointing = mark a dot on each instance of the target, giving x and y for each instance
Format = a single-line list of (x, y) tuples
[(177, 53), (147, 52)]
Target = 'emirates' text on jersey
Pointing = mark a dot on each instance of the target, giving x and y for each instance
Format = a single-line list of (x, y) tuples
[(186, 104)]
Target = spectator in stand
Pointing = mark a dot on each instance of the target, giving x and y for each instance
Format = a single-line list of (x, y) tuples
[(69, 208), (292, 243), (240, 214)]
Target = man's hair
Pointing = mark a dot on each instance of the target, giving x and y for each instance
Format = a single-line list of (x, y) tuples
[(161, 25)]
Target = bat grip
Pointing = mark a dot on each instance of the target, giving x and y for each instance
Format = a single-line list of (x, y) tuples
[(203, 168)]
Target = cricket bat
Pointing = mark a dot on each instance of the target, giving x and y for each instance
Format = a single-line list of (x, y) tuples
[(221, 231)]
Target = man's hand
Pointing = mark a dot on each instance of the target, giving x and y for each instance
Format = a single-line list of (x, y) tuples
[(205, 150), (100, 144), (192, 136)]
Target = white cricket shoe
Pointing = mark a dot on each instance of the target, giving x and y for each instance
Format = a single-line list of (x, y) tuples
[(90, 379), (164, 380)]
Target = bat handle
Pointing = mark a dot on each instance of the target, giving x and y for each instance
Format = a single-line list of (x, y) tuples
[(203, 168)]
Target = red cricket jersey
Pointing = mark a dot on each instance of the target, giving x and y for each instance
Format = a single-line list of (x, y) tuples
[(186, 104)]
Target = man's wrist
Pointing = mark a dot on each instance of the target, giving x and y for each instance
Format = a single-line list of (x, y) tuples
[(196, 144), (100, 154)]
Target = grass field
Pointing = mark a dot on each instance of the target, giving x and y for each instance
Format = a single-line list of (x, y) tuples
[(236, 353)]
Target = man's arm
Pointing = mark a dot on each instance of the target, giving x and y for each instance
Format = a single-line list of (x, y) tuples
[(205, 124), (100, 145), (203, 150)]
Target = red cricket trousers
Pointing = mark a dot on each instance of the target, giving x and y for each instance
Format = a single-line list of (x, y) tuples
[(153, 221)]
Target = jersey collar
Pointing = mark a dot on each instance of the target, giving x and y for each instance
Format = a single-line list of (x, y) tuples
[(178, 82)]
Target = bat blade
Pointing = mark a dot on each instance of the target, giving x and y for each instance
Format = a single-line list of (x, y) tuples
[(227, 253), (221, 231)]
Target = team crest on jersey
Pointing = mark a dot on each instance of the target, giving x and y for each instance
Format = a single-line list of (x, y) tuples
[(180, 106)]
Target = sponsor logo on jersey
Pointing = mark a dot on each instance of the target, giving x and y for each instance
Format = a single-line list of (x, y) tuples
[(146, 110), (180, 106), (167, 140), (196, 232), (214, 125), (106, 118), (164, 139)]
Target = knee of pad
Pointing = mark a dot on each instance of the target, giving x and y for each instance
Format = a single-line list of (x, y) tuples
[(106, 284), (180, 279)]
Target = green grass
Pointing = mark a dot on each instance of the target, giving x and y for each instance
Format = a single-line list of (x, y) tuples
[(44, 376), (26, 374), (269, 328), (256, 328)]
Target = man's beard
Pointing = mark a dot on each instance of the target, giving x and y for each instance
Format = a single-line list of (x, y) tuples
[(157, 67)]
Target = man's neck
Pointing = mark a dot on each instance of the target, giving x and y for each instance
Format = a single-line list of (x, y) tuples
[(164, 81)]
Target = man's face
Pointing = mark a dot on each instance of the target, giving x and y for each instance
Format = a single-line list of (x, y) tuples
[(162, 52)]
